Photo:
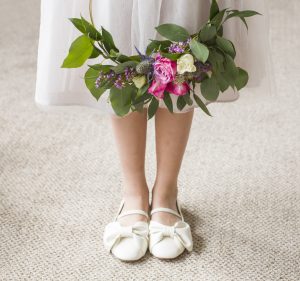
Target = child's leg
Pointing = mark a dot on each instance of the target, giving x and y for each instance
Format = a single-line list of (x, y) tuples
[(130, 138), (172, 133)]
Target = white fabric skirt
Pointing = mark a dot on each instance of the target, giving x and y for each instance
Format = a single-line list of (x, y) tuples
[(132, 23)]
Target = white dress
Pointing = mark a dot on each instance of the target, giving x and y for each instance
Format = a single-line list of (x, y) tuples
[(132, 23)]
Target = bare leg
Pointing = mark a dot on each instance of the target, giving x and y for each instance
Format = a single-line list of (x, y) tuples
[(172, 133), (130, 137)]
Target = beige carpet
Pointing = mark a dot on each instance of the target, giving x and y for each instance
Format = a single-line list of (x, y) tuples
[(60, 176)]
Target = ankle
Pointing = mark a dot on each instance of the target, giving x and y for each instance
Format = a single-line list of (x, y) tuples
[(139, 201), (166, 198)]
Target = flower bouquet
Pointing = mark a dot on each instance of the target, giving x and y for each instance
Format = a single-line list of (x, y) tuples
[(174, 66)]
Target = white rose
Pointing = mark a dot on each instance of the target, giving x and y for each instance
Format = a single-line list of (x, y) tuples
[(186, 64)]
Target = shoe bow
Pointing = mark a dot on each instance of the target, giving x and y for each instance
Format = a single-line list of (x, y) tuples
[(180, 232), (114, 232)]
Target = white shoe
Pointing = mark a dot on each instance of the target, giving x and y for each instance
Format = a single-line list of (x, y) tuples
[(168, 242), (128, 243)]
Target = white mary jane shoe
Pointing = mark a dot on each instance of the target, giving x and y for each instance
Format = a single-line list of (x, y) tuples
[(127, 243), (168, 242)]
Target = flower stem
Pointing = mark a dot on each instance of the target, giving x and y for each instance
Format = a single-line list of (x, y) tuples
[(91, 12)]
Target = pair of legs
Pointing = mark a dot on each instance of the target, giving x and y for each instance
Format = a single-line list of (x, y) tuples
[(171, 136)]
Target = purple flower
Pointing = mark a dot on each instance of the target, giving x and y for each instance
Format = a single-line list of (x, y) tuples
[(179, 47)]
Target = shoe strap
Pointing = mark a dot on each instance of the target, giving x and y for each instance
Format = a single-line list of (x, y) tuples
[(166, 210), (129, 212), (132, 212)]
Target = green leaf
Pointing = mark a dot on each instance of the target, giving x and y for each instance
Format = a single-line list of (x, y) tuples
[(80, 50), (200, 51), (201, 104), (153, 106), (181, 103), (188, 99), (231, 71), (121, 99), (142, 99), (214, 9), (108, 41), (143, 90), (217, 20), (210, 89), (216, 58), (90, 78), (135, 58), (227, 46), (242, 79), (208, 33), (104, 67), (171, 56), (168, 101), (96, 53), (222, 82), (173, 32), (156, 45), (120, 68), (244, 14), (86, 28)]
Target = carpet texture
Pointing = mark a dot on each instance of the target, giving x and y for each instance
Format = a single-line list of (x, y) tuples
[(60, 175)]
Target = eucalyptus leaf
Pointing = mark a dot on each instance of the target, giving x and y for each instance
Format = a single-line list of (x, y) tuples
[(173, 32), (80, 50), (200, 51)]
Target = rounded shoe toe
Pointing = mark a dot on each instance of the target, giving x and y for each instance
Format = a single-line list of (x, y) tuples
[(166, 249), (127, 249)]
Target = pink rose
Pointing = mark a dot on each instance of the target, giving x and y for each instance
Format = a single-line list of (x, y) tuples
[(164, 69), (178, 89), (157, 89), (164, 73)]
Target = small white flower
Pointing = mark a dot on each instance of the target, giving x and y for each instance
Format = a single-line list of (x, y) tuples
[(186, 64)]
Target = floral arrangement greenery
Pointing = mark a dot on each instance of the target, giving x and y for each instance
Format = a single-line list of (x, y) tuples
[(175, 66)]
